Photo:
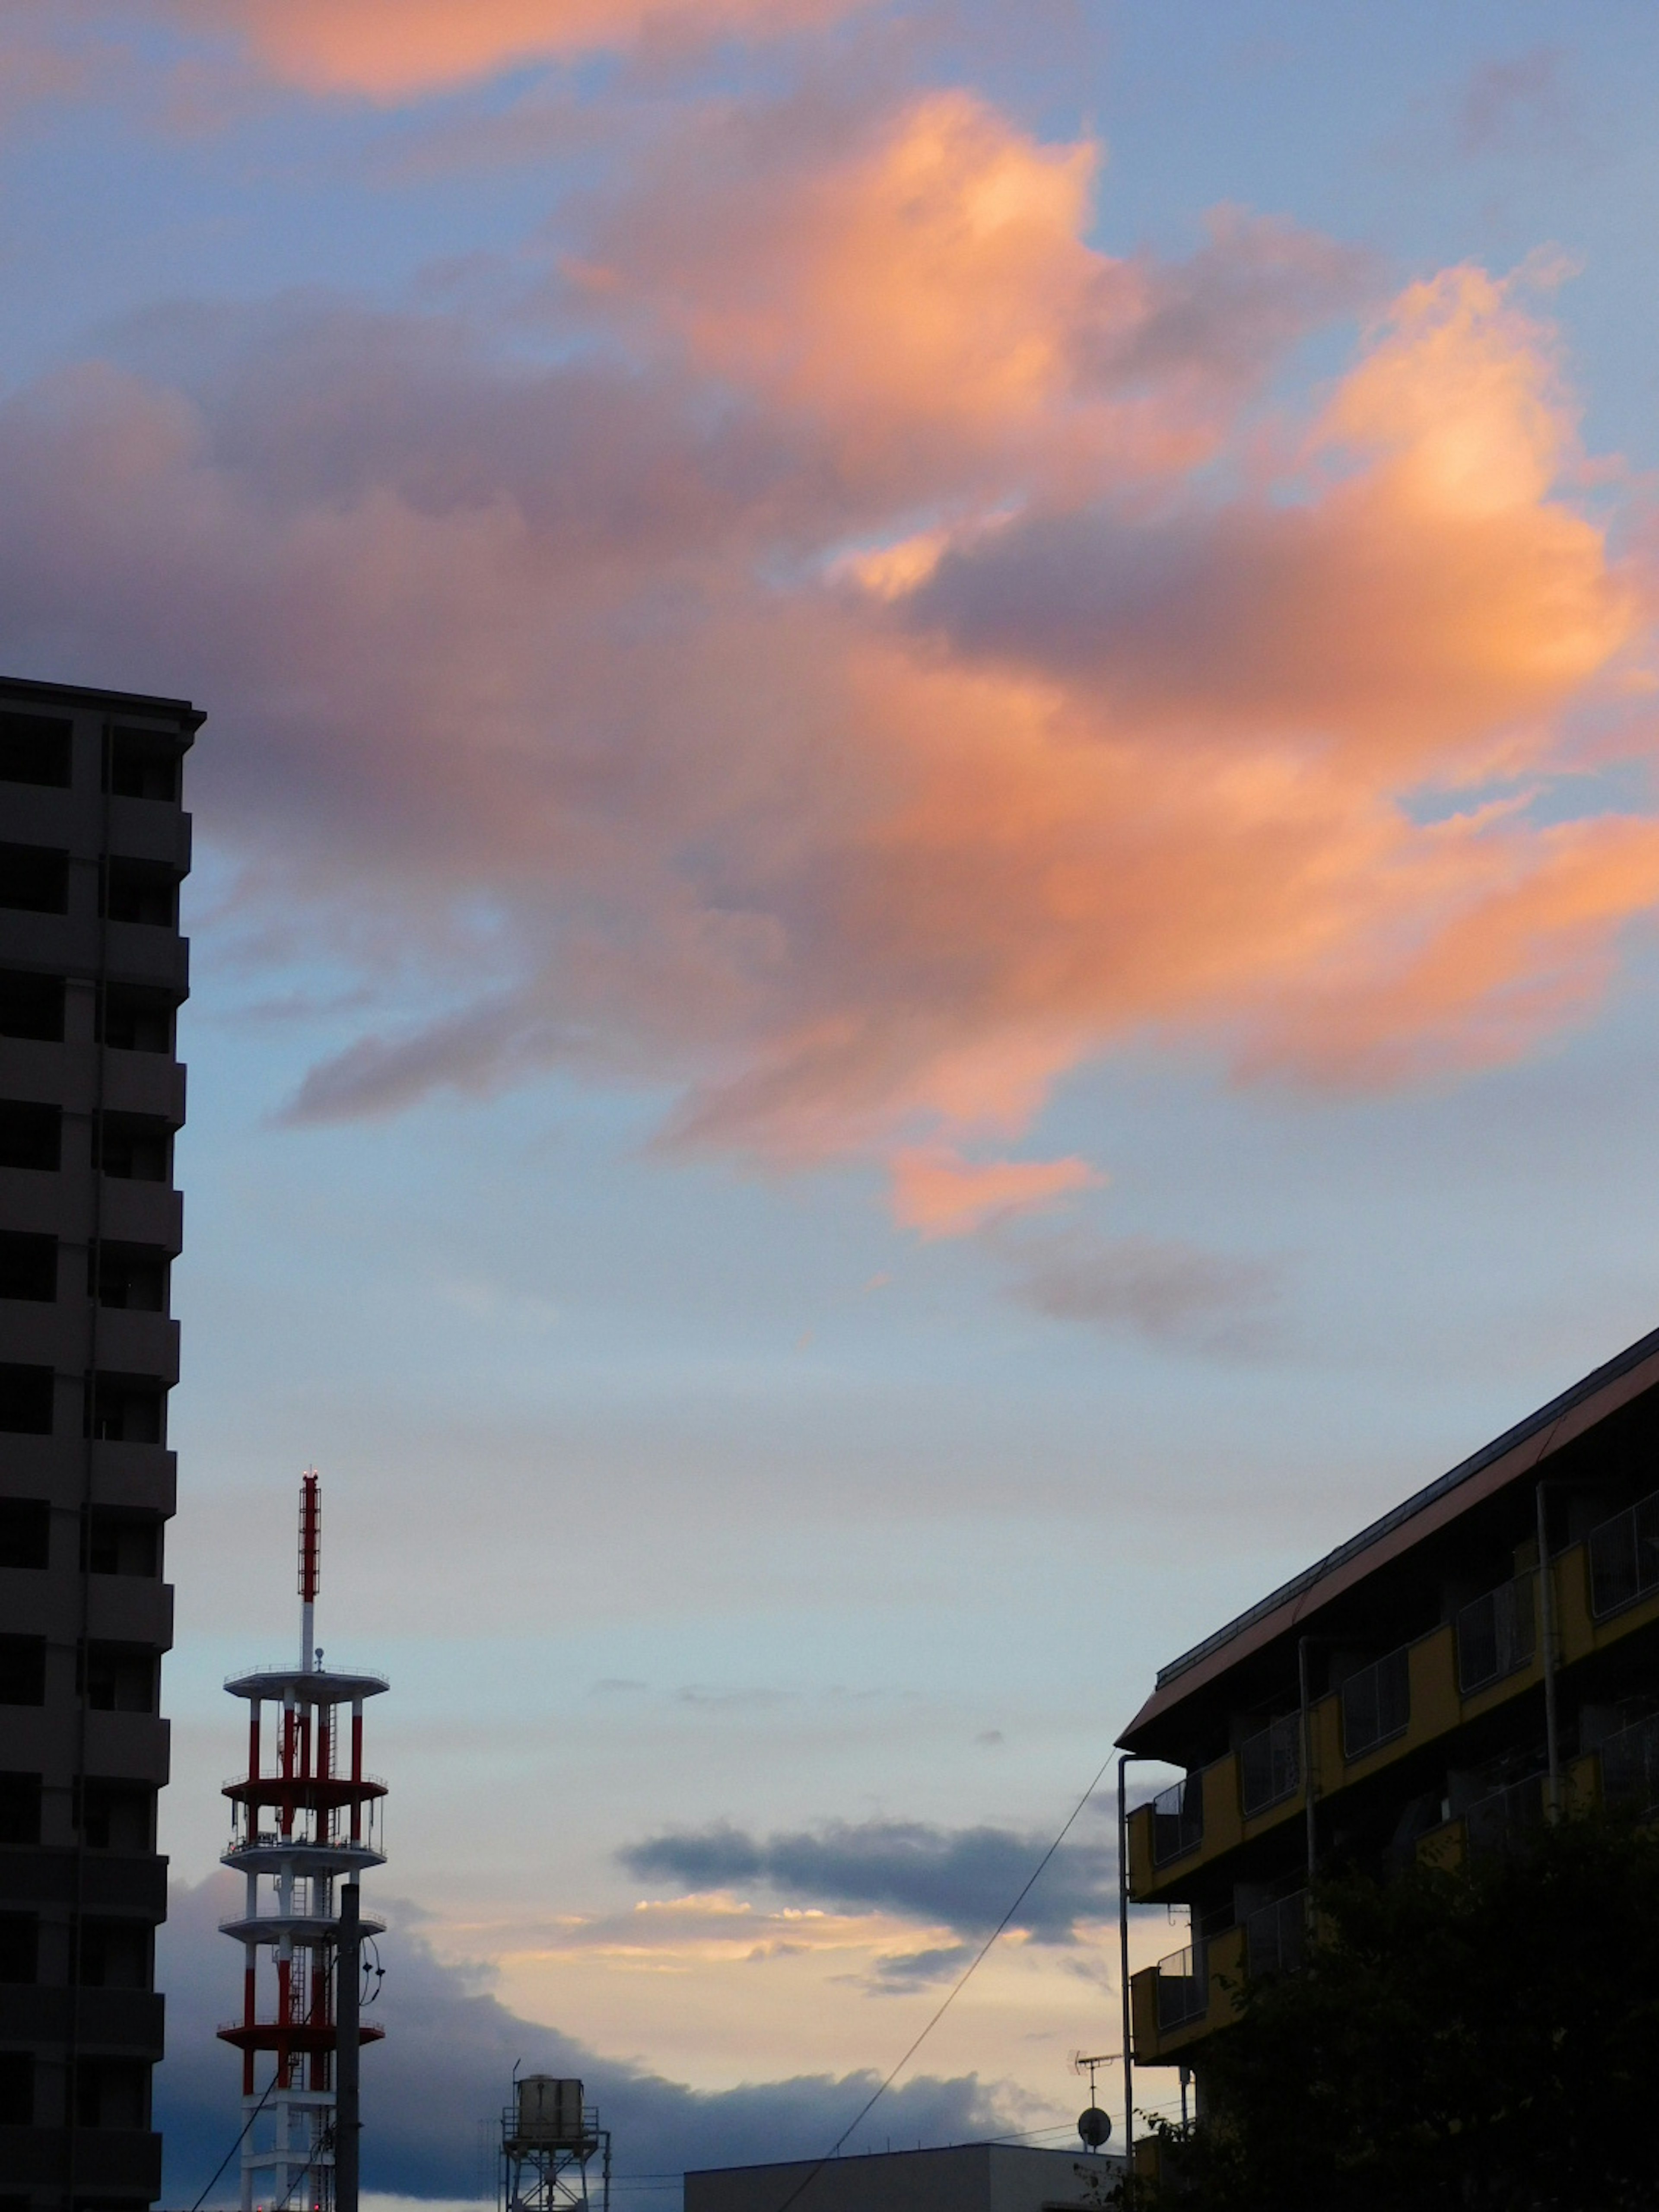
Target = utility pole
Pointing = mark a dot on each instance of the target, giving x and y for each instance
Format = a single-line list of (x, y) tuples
[(347, 2123)]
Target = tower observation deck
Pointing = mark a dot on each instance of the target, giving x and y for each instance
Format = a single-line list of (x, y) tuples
[(301, 1829)]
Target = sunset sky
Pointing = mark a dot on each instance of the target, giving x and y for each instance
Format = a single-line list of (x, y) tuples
[(927, 849)]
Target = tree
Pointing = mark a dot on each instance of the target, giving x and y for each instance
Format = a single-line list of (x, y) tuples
[(1485, 2040)]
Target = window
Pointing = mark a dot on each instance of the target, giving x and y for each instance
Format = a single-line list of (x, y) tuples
[(28, 1266), (133, 1146), (25, 1532), (34, 879), (1270, 1765), (130, 1275), (34, 749), (111, 2092), (20, 1809), (31, 1005), (26, 1395), (22, 1670), (135, 1018), (127, 1409), (1495, 1635), (115, 1954), (118, 1816), (142, 890), (1623, 1557), (120, 1678), (30, 1136), (120, 1543), (16, 2089), (1376, 1704), (20, 1945), (142, 764)]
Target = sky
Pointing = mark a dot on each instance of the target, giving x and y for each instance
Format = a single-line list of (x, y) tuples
[(922, 935)]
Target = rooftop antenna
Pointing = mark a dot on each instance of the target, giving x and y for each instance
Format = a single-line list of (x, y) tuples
[(1093, 2125)]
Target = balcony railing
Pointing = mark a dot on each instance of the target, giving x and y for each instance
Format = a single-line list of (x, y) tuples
[(1376, 1704), (1183, 1989), (1623, 1557), (1276, 1935), (1630, 1764), (1495, 1635), (1507, 1816), (1178, 1820), (1270, 1766)]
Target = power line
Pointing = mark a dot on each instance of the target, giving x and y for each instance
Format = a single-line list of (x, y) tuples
[(237, 2145), (871, 2102)]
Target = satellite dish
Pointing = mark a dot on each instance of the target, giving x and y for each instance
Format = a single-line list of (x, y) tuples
[(1094, 2126)]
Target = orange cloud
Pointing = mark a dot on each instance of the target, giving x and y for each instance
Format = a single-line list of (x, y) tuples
[(564, 676), (391, 50), (937, 1191)]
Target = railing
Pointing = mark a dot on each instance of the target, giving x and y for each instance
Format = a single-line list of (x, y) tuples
[(1495, 1635), (1376, 1704), (1623, 1557), (1270, 1765), (1507, 1816), (1276, 1935), (1178, 1820), (1630, 1763), (1183, 1988)]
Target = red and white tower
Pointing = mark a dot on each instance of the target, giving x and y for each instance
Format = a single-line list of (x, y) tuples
[(310, 1820)]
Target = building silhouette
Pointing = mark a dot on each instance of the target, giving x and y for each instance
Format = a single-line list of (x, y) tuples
[(1422, 1693), (94, 843)]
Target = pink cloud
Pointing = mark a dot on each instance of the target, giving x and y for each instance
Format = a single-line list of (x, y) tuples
[(391, 50), (939, 1193), (556, 688)]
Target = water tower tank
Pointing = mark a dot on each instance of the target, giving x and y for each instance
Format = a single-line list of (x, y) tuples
[(550, 2112)]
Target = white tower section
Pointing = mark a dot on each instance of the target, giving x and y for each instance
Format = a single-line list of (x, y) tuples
[(299, 1828)]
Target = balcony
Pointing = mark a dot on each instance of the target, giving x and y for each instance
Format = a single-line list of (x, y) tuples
[(1276, 1936), (1624, 1559), (1629, 1765), (1185, 1996), (1270, 1766), (1177, 1821)]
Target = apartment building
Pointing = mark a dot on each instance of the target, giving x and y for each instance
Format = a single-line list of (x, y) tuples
[(94, 843), (1423, 1691)]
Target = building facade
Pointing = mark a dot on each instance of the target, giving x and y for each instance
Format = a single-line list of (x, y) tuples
[(984, 2176), (1422, 1691), (94, 845)]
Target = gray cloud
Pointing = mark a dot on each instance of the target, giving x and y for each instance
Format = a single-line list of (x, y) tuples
[(960, 1878), (446, 2062), (1170, 1291)]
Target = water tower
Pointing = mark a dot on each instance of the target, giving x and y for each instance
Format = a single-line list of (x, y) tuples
[(548, 2136), (303, 1827)]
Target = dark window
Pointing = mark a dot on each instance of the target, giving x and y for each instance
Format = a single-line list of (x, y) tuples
[(133, 1275), (25, 1532), (142, 764), (1376, 1704), (31, 1005), (133, 1146), (28, 1266), (16, 2089), (22, 1670), (34, 749), (115, 1954), (142, 890), (118, 1816), (20, 1945), (33, 879), (1623, 1557), (111, 2092), (30, 1136), (120, 1543), (135, 1019), (20, 1809), (26, 1395), (120, 1678), (127, 1409)]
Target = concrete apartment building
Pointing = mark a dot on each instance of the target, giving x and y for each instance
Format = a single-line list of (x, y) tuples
[(986, 2177), (1422, 1690), (94, 843)]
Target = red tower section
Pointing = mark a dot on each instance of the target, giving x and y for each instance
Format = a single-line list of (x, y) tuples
[(302, 1825)]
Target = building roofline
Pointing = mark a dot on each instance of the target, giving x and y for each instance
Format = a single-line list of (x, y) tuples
[(84, 695), (1543, 1422)]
